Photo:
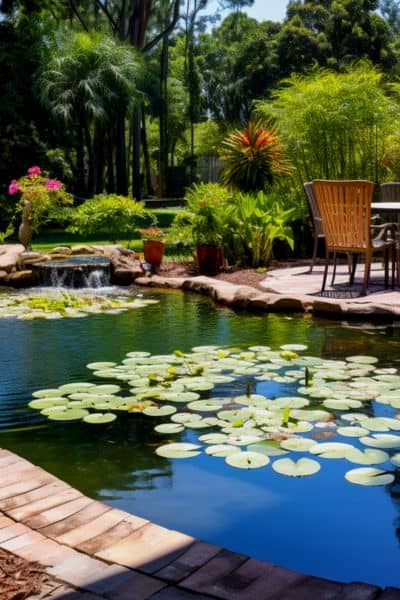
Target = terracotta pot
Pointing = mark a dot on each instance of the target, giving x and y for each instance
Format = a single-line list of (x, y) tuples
[(153, 252), (209, 259)]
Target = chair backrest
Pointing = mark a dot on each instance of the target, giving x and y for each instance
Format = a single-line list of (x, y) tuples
[(316, 217), (345, 209), (389, 192)]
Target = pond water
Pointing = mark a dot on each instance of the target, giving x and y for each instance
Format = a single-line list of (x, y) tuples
[(321, 525)]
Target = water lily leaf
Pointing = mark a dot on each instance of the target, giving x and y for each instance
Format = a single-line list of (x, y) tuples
[(331, 449), (210, 405), (197, 424), (247, 460), (363, 360), (299, 427), (97, 366), (216, 378), (73, 414), (290, 402), (352, 431), (369, 476), (138, 354), (243, 440), (259, 348), (99, 418), (75, 387), (344, 404), (297, 444), (185, 417), (369, 456), (310, 415), (240, 414), (214, 438), (354, 417), (181, 397), (178, 450), (300, 468), (162, 411), (49, 393), (396, 459), (294, 347), (169, 428), (106, 389), (222, 450), (267, 448), (47, 411), (381, 440), (41, 403)]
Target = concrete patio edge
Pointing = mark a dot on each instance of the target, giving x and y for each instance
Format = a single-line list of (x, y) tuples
[(243, 296), (101, 552)]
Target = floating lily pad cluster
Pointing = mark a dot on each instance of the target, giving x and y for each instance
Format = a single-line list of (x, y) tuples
[(60, 304), (217, 390)]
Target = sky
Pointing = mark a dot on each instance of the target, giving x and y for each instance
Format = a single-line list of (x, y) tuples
[(263, 10)]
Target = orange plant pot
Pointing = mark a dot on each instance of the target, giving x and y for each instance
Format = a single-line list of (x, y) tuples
[(209, 259), (153, 252)]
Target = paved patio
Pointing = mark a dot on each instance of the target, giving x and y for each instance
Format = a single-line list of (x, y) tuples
[(96, 552)]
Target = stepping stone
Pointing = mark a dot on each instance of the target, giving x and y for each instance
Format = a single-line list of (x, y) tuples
[(32, 537), (12, 531), (197, 555), (149, 548), (82, 517), (46, 552), (22, 513), (119, 532), (58, 513), (94, 529), (81, 571), (14, 489), (44, 491)]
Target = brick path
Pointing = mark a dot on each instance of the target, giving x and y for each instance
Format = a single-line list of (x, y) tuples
[(94, 551)]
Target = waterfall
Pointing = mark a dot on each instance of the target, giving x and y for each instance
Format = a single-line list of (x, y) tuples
[(75, 272)]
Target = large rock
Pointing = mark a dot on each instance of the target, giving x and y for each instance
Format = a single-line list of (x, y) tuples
[(83, 249), (123, 276), (24, 278), (10, 256), (63, 250)]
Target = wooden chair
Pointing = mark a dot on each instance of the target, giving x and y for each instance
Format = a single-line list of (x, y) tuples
[(345, 209), (316, 218), (389, 192)]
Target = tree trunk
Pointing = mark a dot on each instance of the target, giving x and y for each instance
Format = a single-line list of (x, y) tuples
[(136, 189), (99, 140), (89, 146), (122, 175), (163, 157), (146, 157), (80, 162), (110, 162)]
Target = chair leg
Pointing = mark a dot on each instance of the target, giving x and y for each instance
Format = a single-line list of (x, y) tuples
[(334, 269), (367, 269), (327, 261), (353, 268), (386, 258), (314, 256)]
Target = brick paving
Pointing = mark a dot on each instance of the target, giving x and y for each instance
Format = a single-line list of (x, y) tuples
[(91, 552)]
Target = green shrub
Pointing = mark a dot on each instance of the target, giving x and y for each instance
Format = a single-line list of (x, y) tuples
[(255, 222), (114, 215)]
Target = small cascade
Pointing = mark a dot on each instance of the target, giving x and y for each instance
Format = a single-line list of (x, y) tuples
[(75, 272)]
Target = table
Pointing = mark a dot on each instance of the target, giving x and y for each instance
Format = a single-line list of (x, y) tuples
[(387, 207)]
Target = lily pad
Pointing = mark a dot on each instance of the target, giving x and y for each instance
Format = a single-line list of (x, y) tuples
[(396, 459), (214, 438), (210, 405), (247, 460), (301, 468), (369, 456), (69, 414), (178, 450), (352, 431), (369, 476), (159, 411), (382, 440), (99, 418), (169, 428), (97, 366), (221, 450), (297, 444), (331, 449), (41, 403)]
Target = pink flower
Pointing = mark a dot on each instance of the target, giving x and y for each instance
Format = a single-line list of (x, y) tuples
[(13, 188), (53, 185), (34, 171)]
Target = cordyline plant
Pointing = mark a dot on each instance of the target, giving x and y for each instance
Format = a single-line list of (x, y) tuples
[(253, 158)]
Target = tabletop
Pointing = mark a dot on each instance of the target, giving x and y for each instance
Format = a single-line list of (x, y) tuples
[(382, 206)]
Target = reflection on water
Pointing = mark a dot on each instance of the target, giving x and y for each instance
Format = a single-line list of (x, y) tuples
[(320, 525)]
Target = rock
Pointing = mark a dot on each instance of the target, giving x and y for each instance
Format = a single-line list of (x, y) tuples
[(24, 278), (84, 250), (3, 275), (10, 256), (31, 260), (64, 250), (123, 276)]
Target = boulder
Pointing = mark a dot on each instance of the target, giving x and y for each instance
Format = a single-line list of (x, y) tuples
[(10, 256), (83, 249), (123, 276), (64, 250), (24, 278)]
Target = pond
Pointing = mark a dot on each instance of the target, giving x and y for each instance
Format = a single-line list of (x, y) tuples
[(321, 525)]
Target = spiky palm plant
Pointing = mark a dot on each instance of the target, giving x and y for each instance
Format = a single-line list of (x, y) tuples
[(253, 158)]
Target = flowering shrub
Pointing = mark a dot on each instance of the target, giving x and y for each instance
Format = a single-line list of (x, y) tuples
[(152, 234), (42, 192)]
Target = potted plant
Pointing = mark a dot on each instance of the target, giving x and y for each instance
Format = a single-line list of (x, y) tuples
[(153, 246), (38, 194), (202, 225)]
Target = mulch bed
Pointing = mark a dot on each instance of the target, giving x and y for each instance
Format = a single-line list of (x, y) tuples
[(19, 578)]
